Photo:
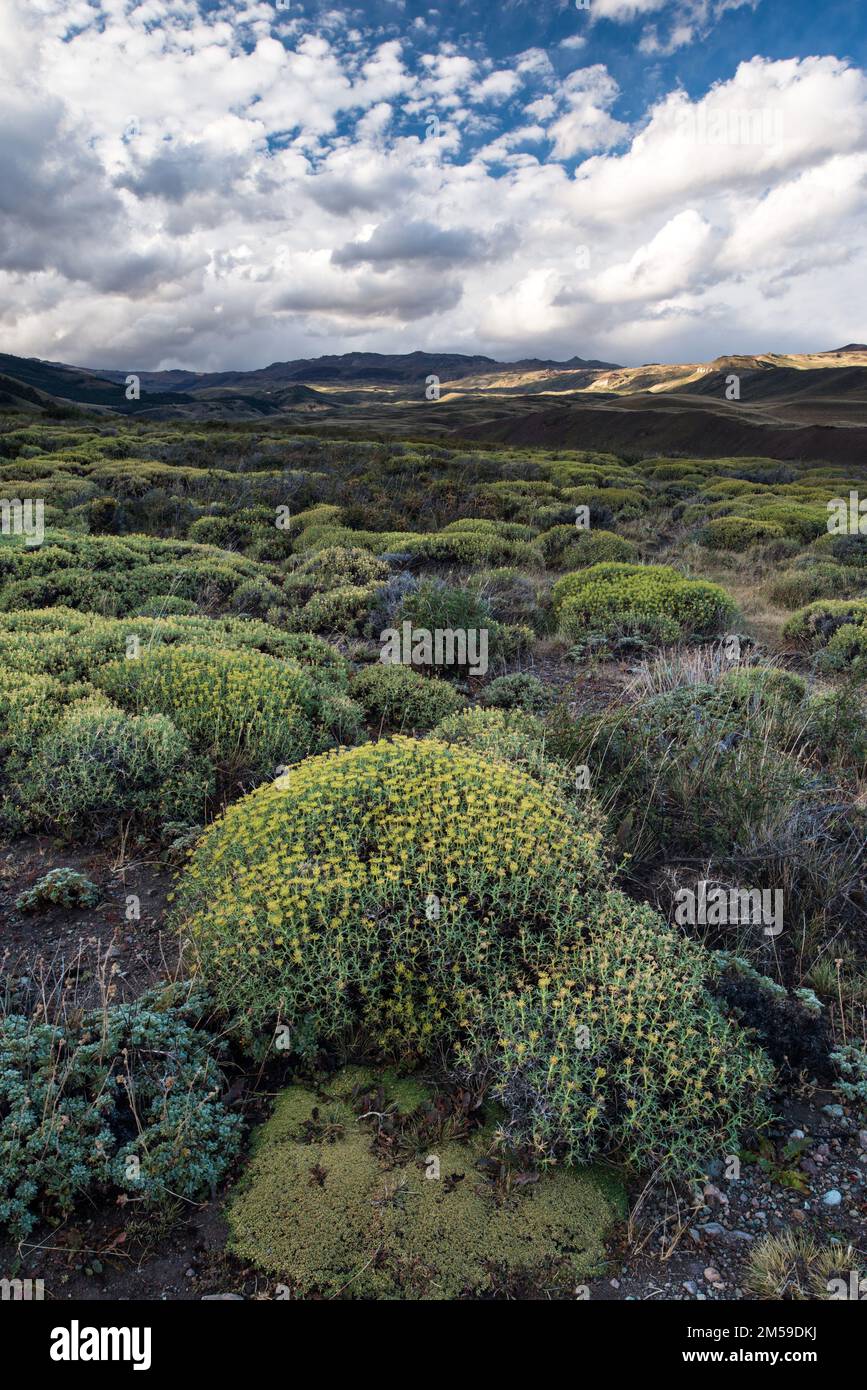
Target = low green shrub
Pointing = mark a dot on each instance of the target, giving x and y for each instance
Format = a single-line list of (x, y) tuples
[(99, 768), (123, 1100), (399, 698), (738, 532), (814, 626), (336, 567), (519, 690), (845, 650), (435, 606), (342, 610), (59, 888), (605, 597), (596, 547), (245, 711)]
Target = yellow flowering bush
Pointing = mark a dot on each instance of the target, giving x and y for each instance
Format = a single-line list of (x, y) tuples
[(385, 889), (247, 711), (617, 1048)]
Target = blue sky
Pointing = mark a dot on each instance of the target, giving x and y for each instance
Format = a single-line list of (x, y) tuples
[(207, 184)]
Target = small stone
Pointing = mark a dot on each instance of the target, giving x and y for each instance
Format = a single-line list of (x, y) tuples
[(862, 1138), (690, 1287), (189, 1274), (712, 1228), (835, 1111), (833, 1198), (799, 1216), (615, 1283), (711, 1275), (797, 1134), (216, 1297)]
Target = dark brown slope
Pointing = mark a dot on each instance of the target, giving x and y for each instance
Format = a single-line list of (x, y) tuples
[(672, 427)]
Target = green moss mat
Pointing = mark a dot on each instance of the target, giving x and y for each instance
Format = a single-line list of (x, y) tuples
[(323, 1211)]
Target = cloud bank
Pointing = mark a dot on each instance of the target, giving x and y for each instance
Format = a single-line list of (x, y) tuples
[(232, 185)]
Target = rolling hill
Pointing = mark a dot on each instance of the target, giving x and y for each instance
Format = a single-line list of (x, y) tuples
[(801, 406)]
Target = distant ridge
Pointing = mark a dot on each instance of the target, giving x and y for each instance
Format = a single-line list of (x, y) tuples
[(810, 405)]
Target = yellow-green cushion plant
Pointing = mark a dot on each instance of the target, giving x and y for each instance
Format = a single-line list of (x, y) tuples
[(385, 889), (596, 547), (247, 711), (606, 597), (325, 1209), (814, 626), (738, 532)]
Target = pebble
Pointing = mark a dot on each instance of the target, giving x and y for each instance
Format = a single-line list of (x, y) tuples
[(797, 1134), (835, 1111), (712, 1275), (216, 1297), (833, 1198), (862, 1138)]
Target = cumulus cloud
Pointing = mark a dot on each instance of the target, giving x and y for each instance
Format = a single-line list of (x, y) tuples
[(588, 94), (397, 241), (228, 184)]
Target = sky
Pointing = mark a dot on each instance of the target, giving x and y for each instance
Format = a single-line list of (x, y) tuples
[(207, 185)]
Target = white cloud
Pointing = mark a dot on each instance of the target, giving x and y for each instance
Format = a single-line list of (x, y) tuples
[(497, 86), (586, 124), (624, 10), (185, 186), (678, 256)]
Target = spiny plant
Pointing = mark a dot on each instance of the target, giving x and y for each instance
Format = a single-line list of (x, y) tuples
[(384, 889)]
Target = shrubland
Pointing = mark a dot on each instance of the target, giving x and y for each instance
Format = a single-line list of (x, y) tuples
[(460, 880)]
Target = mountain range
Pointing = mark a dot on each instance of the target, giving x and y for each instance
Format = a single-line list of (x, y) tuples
[(791, 406)]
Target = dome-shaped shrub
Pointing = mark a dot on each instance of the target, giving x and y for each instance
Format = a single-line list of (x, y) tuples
[(249, 712), (607, 596), (597, 547), (813, 627), (737, 532), (387, 888)]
